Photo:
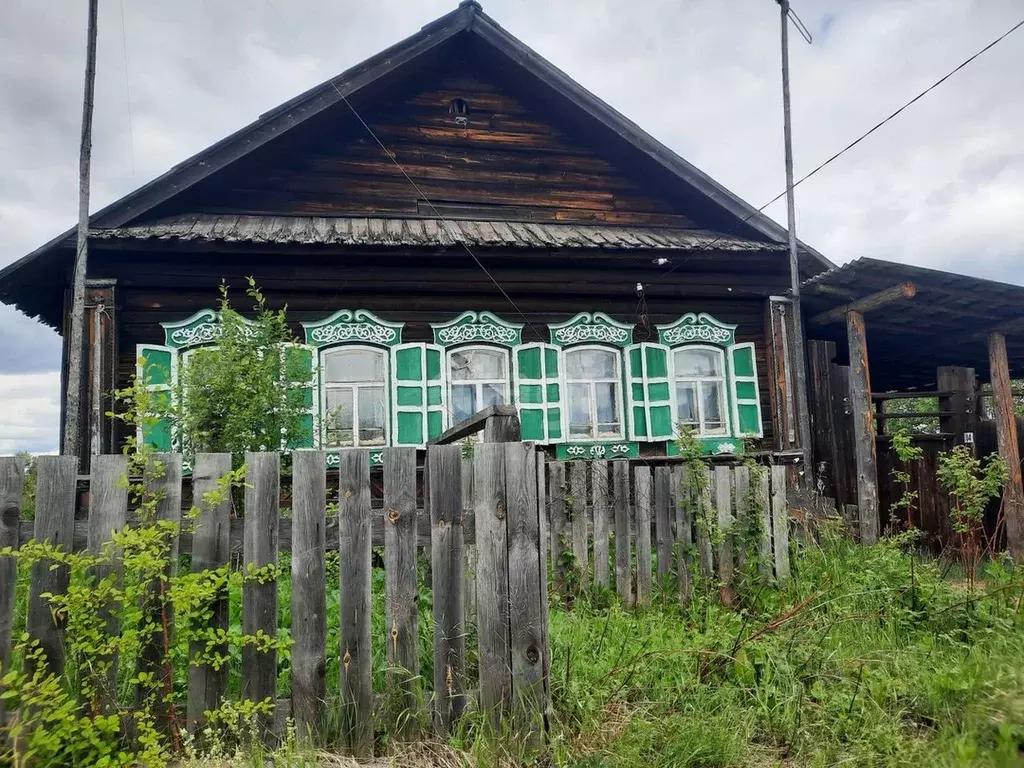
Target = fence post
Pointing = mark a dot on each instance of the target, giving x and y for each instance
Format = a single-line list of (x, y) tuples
[(662, 525), (780, 524), (764, 508), (162, 481), (210, 551), (55, 523), (259, 590), (444, 481), (704, 505), (599, 484), (741, 503), (491, 511), (559, 523), (108, 514), (356, 571), (12, 483), (309, 593), (642, 493), (723, 508), (684, 534), (578, 494), (623, 584), (403, 650)]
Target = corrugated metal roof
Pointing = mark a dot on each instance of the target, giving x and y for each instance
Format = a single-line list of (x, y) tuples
[(321, 230)]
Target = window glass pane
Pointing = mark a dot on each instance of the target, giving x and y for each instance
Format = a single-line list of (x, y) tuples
[(463, 401), (712, 405), (607, 409), (339, 416), (591, 364), (354, 365), (686, 400), (371, 416), (492, 394), (478, 364), (579, 410), (698, 362)]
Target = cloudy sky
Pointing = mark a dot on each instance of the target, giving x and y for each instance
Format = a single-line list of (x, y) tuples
[(942, 185)]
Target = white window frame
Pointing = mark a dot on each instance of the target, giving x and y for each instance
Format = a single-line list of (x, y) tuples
[(477, 383), (326, 385), (567, 382), (723, 381)]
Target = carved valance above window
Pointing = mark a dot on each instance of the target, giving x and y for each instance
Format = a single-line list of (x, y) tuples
[(478, 328), (347, 326), (697, 329), (591, 328), (201, 328)]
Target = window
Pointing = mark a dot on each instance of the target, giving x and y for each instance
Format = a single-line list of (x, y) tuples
[(592, 381), (478, 378), (700, 389), (355, 400)]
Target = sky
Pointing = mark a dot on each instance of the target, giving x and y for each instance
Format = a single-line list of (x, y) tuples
[(942, 185)]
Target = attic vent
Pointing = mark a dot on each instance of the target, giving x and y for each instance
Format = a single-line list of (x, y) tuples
[(459, 108)]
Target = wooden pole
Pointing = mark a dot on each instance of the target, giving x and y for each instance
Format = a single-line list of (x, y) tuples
[(869, 303), (863, 427), (73, 391), (1006, 429)]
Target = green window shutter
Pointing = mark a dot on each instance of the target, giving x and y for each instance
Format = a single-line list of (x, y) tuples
[(649, 392), (301, 377), (417, 393), (157, 368), (538, 388), (746, 396)]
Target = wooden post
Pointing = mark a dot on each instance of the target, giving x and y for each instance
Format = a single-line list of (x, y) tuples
[(704, 517), (356, 573), (309, 592), (741, 503), (765, 559), (502, 429), (684, 534), (780, 524), (959, 381), (578, 494), (724, 517), (12, 483), (642, 493), (55, 523), (559, 522), (599, 486), (864, 427), (108, 514), (259, 592), (663, 515), (444, 494), (1006, 429), (211, 545), (620, 490)]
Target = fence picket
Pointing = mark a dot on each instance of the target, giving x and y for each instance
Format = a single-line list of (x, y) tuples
[(642, 493), (356, 572), (580, 527), (620, 490), (599, 488), (724, 517), (210, 551), (309, 594), (55, 523), (764, 509), (469, 552), (663, 515), (559, 522), (684, 534), (491, 509), (259, 591), (780, 524), (12, 484), (445, 500), (704, 517), (108, 514), (402, 612), (741, 496)]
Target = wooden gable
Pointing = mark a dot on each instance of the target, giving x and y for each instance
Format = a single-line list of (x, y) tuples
[(471, 141)]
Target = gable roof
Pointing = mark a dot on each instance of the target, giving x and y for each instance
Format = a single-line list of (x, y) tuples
[(468, 18)]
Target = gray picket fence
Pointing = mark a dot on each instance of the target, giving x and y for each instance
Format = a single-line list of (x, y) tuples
[(493, 524)]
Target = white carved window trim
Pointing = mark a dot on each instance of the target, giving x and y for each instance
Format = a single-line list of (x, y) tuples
[(723, 380), (567, 381), (325, 385), (478, 384)]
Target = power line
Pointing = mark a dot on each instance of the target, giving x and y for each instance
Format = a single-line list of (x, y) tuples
[(853, 143)]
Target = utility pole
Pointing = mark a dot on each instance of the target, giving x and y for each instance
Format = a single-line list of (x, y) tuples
[(800, 356), (74, 383)]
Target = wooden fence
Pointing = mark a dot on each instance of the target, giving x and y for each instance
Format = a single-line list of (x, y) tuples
[(490, 523)]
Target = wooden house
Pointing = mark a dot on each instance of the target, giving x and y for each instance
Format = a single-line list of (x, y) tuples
[(452, 223)]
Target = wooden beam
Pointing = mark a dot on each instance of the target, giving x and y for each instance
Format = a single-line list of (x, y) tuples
[(1006, 429), (869, 303), (863, 427), (476, 423)]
